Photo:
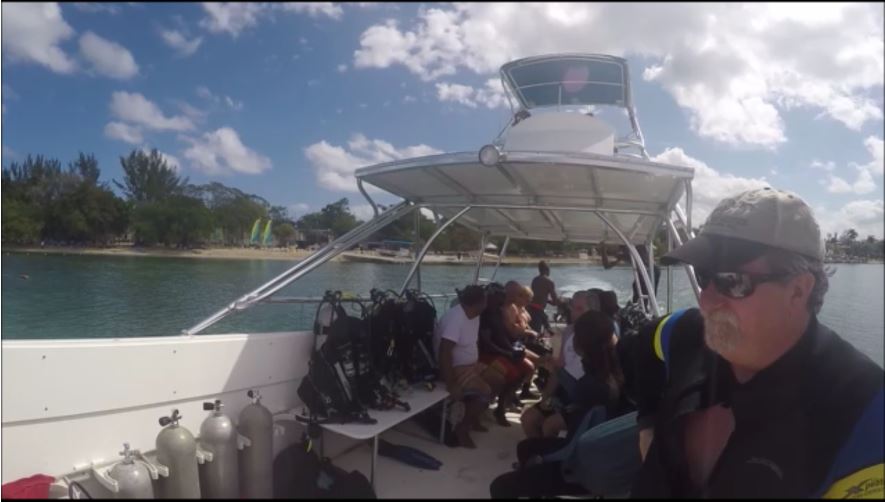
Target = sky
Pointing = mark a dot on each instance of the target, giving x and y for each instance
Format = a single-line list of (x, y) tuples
[(286, 100)]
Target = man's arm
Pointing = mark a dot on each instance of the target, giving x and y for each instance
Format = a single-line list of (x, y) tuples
[(446, 367), (554, 300), (511, 317), (606, 264)]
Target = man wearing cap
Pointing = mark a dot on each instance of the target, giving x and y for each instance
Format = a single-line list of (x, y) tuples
[(750, 395)]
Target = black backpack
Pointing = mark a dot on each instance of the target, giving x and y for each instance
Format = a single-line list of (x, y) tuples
[(299, 473), (415, 345), (402, 337), (328, 389)]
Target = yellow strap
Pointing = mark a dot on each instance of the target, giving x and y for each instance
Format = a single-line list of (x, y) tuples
[(867, 483), (659, 350)]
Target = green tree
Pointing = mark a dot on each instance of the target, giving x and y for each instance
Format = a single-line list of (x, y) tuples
[(233, 210), (335, 217), (284, 233), (86, 166), (21, 224), (148, 178), (179, 221)]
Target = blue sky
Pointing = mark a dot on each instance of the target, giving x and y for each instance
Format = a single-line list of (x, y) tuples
[(286, 100)]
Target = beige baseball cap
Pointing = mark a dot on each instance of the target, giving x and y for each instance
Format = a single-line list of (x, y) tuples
[(766, 216)]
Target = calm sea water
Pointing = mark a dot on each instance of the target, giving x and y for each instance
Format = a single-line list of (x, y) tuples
[(106, 297)]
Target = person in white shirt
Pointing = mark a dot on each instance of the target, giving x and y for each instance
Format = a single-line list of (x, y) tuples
[(456, 336)]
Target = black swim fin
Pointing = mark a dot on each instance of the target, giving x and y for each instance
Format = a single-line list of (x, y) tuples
[(408, 455)]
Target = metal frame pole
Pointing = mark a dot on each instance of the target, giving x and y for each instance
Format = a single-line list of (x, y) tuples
[(427, 246), (636, 259), (482, 250), (500, 257), (417, 239), (688, 268), (669, 274), (305, 266)]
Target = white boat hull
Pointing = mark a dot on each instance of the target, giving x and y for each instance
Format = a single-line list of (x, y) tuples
[(68, 403)]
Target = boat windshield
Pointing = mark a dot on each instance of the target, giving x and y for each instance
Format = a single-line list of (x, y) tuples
[(568, 81)]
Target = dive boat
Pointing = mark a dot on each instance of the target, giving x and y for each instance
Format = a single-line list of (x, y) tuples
[(555, 173)]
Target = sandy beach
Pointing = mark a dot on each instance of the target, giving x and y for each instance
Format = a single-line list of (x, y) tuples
[(291, 254)]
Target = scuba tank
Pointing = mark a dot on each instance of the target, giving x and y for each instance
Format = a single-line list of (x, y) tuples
[(219, 477), (132, 476), (256, 461), (177, 450)]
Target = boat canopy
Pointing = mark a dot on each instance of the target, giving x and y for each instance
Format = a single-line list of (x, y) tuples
[(540, 195), (568, 79)]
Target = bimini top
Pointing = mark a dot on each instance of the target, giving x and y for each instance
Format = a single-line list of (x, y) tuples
[(553, 174), (568, 79), (549, 196)]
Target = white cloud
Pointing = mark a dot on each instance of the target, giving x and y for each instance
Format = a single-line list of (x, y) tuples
[(222, 152), (734, 67), (456, 92), (230, 17), (363, 212), (864, 183), (108, 58), (826, 166), (313, 9), (409, 99), (123, 132), (709, 187), (875, 147), (32, 32), (865, 216), (334, 165), (342, 68), (297, 210), (177, 40), (491, 95), (205, 93), (234, 17), (93, 7), (135, 108)]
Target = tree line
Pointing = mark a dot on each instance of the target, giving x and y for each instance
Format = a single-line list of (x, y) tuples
[(44, 202)]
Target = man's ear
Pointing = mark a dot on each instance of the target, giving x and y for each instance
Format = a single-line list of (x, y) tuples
[(801, 287)]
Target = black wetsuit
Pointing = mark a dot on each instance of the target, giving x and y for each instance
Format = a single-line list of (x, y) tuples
[(808, 425)]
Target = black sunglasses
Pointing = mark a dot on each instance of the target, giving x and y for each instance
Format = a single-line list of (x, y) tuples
[(736, 284)]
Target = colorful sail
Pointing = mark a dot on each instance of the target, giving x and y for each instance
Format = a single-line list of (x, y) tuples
[(255, 226), (267, 237)]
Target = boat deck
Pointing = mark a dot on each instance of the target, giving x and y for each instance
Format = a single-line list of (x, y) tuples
[(464, 474)]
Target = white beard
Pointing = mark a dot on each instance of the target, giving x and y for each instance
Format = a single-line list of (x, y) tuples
[(721, 331)]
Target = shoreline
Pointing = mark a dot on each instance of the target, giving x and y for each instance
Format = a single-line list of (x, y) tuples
[(278, 254), (299, 254)]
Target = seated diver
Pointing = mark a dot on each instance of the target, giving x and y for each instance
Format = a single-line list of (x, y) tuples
[(545, 418), (515, 320), (601, 385), (499, 354)]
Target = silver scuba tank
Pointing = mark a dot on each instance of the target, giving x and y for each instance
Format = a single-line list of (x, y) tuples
[(256, 461), (132, 477), (177, 450), (219, 478)]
